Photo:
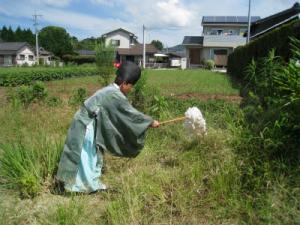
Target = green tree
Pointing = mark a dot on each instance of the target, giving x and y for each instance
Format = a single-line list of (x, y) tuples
[(158, 44), (28, 36), (104, 61), (89, 43), (19, 34), (56, 40)]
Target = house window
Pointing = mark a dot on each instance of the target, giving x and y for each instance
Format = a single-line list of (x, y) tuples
[(7, 60), (114, 42), (30, 57), (220, 51), (21, 57), (216, 32)]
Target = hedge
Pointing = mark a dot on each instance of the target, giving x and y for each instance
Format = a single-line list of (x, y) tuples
[(77, 59), (277, 39), (19, 76)]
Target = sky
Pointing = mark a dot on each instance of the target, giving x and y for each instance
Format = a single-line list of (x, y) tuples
[(165, 20)]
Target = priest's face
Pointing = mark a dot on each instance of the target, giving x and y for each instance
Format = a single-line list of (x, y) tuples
[(125, 88)]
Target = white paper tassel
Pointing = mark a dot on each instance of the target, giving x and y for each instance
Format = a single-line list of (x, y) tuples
[(195, 123)]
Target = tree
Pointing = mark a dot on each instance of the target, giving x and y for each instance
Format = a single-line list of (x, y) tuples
[(104, 61), (56, 40), (89, 43), (158, 44), (28, 36)]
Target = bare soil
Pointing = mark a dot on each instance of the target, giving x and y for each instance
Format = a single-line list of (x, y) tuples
[(205, 97)]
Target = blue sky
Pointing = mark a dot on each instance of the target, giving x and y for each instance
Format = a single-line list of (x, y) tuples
[(167, 20)]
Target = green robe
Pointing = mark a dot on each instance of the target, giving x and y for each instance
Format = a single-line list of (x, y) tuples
[(120, 129)]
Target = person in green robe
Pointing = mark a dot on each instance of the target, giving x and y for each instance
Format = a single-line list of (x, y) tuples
[(106, 122)]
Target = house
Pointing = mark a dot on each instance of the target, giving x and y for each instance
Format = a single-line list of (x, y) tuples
[(45, 57), (269, 23), (16, 53), (128, 48), (221, 34)]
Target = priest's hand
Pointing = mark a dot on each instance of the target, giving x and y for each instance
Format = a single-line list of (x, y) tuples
[(155, 124)]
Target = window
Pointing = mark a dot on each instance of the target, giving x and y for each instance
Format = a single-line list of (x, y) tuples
[(30, 57), (220, 51), (7, 60), (216, 32), (21, 57), (114, 42)]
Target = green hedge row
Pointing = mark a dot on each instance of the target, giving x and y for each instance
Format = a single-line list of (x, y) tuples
[(77, 59), (278, 39), (20, 76)]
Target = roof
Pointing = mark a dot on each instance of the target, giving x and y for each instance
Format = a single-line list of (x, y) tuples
[(137, 49), (192, 40), (42, 51), (117, 30), (228, 19), (261, 26), (9, 48), (86, 52)]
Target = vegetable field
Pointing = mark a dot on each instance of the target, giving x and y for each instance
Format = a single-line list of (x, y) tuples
[(25, 76)]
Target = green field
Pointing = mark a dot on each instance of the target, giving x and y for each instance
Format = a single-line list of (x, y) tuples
[(191, 81), (175, 180)]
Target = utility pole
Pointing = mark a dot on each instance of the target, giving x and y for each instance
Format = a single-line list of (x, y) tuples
[(144, 48), (249, 22), (35, 24)]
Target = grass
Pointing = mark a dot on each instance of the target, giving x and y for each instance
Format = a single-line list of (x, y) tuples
[(175, 179), (191, 81)]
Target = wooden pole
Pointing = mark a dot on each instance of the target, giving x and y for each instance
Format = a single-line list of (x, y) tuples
[(173, 120)]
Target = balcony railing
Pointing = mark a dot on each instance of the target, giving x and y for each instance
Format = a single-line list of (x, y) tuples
[(224, 40)]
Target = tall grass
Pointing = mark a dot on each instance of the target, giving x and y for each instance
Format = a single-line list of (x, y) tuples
[(175, 180)]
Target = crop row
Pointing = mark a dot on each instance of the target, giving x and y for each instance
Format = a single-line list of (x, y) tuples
[(25, 76)]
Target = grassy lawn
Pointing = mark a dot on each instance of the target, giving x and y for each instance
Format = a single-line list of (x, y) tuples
[(175, 180), (191, 81)]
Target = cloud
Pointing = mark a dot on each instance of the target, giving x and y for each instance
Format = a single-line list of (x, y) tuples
[(165, 20), (55, 3), (104, 2)]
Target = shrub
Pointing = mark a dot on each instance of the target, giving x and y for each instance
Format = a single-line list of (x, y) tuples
[(209, 64), (78, 97), (138, 95), (53, 101), (39, 91), (76, 59), (28, 94), (271, 106)]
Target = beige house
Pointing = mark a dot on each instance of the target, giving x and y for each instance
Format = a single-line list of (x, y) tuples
[(128, 48), (221, 34)]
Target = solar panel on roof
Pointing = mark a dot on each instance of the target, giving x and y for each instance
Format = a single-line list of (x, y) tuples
[(220, 19), (231, 19), (208, 19)]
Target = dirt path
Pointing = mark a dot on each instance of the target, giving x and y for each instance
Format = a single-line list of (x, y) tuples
[(205, 97)]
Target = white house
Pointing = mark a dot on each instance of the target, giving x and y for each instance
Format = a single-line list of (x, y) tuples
[(127, 46), (16, 53), (221, 34)]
